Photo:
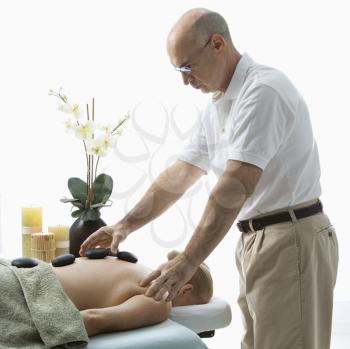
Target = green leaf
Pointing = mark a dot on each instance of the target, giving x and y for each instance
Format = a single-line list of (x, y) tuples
[(79, 205), (99, 205), (77, 213), (78, 189), (102, 187), (65, 200), (91, 215)]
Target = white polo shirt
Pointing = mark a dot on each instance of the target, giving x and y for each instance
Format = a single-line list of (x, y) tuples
[(263, 120)]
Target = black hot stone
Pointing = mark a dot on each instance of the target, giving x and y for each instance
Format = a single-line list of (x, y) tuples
[(24, 262), (127, 256), (112, 254), (63, 260), (97, 253)]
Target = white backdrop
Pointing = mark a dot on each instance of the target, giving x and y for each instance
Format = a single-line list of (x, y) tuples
[(115, 52)]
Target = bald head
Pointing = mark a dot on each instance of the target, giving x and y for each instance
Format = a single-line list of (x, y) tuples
[(199, 45), (197, 25)]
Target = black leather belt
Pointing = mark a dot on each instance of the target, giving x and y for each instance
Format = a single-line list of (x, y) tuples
[(261, 223)]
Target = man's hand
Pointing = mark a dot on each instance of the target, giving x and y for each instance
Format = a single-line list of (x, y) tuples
[(169, 277), (106, 237)]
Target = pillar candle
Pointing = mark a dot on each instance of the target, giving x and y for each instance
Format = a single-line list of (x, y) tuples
[(61, 237), (31, 223), (43, 246)]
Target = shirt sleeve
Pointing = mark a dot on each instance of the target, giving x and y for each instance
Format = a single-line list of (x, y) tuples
[(195, 151), (258, 126)]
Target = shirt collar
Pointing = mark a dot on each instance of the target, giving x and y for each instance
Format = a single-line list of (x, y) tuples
[(237, 79)]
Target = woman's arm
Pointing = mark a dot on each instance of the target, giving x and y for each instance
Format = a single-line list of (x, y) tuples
[(89, 318), (137, 311)]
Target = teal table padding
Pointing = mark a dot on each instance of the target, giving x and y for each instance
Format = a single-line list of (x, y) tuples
[(166, 335)]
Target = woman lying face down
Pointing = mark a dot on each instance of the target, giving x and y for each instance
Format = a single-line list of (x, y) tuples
[(108, 295)]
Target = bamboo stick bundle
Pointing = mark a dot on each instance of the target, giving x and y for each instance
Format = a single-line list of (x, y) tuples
[(43, 246)]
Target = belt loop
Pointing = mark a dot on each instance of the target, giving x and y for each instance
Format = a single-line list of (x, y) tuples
[(292, 215), (251, 225)]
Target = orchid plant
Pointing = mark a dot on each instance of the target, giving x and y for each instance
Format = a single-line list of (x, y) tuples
[(90, 196)]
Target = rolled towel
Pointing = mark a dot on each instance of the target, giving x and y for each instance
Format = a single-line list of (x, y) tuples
[(35, 312)]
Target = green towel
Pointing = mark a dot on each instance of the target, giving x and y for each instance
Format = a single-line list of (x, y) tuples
[(35, 312)]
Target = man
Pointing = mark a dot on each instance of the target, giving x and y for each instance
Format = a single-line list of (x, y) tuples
[(256, 135)]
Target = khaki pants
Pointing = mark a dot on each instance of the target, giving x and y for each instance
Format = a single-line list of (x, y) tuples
[(287, 276)]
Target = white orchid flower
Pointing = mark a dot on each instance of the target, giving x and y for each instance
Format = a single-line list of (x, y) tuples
[(68, 108), (76, 111), (69, 125), (107, 141), (107, 129), (64, 107), (96, 147), (85, 130)]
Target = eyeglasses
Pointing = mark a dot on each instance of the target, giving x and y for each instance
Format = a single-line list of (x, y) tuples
[(184, 69), (187, 68)]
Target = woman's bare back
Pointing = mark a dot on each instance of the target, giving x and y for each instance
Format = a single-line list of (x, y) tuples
[(99, 283)]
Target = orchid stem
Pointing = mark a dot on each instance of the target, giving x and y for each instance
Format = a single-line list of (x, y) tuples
[(89, 164), (120, 123), (98, 158), (92, 165)]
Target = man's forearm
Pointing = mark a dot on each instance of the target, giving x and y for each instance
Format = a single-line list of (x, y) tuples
[(212, 228), (155, 201), (169, 186), (225, 202)]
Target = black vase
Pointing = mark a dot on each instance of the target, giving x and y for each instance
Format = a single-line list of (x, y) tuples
[(81, 230)]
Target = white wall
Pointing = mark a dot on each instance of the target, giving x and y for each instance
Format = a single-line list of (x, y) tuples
[(115, 52)]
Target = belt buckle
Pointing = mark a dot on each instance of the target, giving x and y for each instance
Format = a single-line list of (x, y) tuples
[(257, 225)]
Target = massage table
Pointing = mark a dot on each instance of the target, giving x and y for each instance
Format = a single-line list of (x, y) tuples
[(184, 329)]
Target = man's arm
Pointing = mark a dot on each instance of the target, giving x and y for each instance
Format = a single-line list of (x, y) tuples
[(164, 192), (225, 201), (169, 186), (137, 311)]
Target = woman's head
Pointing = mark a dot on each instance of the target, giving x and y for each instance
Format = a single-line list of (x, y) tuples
[(198, 290)]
